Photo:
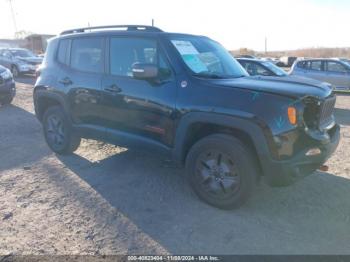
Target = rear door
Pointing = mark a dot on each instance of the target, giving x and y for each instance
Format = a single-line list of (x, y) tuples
[(139, 107), (337, 74), (81, 67)]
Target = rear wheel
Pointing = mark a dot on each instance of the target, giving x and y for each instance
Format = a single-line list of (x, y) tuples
[(58, 131), (221, 170)]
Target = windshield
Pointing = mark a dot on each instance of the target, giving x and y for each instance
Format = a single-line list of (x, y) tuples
[(207, 58), (22, 53), (347, 61), (275, 69)]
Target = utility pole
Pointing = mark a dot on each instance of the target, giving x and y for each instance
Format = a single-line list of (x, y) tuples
[(265, 45), (13, 16), (152, 22)]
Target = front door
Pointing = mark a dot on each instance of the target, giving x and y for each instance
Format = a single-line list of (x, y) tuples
[(143, 108), (338, 75)]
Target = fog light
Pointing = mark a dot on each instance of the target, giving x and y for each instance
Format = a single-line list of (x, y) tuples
[(313, 152)]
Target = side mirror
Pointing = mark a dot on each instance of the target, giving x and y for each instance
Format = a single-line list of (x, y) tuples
[(144, 71)]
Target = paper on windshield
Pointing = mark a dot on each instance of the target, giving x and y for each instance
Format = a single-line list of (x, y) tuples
[(185, 47), (194, 62)]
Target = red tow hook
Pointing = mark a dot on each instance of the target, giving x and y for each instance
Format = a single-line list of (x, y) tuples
[(323, 168)]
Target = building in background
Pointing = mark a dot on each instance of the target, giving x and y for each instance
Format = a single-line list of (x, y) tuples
[(35, 42)]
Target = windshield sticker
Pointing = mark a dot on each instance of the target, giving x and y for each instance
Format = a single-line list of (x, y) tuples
[(185, 47), (195, 63)]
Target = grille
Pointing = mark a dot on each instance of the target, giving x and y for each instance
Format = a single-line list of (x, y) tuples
[(326, 112)]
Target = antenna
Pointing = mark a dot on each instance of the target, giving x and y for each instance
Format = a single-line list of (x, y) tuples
[(13, 15)]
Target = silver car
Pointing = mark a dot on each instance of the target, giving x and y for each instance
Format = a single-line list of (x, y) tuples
[(19, 60), (333, 71)]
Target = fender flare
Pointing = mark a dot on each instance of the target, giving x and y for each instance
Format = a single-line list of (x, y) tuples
[(40, 93), (245, 122)]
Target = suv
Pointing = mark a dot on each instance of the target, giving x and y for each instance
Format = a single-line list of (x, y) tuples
[(333, 71), (19, 60), (187, 98)]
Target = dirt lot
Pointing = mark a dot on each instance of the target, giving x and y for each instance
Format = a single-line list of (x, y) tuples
[(108, 200)]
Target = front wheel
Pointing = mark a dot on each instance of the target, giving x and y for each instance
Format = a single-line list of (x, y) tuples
[(58, 131), (221, 171)]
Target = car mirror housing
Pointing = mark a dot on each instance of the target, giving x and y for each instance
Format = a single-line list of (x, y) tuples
[(144, 71)]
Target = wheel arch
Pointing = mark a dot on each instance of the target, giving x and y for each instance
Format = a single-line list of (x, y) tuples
[(44, 100), (195, 126)]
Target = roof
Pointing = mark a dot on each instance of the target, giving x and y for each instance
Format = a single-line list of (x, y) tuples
[(117, 30), (139, 28)]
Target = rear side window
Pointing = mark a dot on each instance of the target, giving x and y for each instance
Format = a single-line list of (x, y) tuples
[(301, 64), (63, 51), (316, 65), (87, 55)]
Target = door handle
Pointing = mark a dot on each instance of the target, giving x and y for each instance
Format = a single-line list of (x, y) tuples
[(66, 81), (113, 89)]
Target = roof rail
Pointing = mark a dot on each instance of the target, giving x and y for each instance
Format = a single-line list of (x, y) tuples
[(126, 27)]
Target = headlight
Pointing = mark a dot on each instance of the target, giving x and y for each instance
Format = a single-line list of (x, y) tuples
[(6, 74)]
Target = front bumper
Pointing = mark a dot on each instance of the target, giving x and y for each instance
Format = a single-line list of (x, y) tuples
[(8, 89), (27, 69), (285, 172)]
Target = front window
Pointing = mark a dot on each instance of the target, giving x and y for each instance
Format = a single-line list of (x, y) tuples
[(336, 67), (22, 53), (125, 52), (275, 69), (207, 58), (347, 61)]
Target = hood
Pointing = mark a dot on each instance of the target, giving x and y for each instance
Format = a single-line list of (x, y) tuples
[(34, 59), (290, 86)]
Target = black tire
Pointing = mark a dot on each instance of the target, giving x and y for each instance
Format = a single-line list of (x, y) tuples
[(224, 181), (58, 131), (6, 100), (15, 72)]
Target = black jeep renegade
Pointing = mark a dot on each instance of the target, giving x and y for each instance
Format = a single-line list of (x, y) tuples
[(187, 98)]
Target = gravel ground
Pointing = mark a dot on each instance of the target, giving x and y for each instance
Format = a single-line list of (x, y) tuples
[(109, 200)]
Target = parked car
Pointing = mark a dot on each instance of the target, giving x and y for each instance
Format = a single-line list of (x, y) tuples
[(258, 67), (261, 67), (19, 60), (7, 86), (333, 71), (186, 98), (245, 56), (287, 61)]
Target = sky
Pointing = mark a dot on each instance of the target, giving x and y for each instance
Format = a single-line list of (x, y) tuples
[(287, 24)]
